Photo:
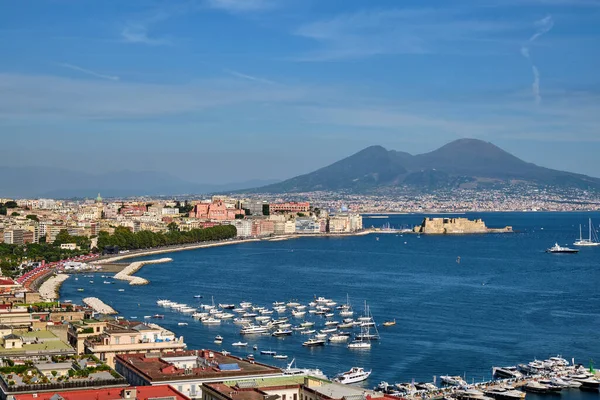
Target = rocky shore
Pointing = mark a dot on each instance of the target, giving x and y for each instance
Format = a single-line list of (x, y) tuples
[(49, 289), (99, 306), (125, 274)]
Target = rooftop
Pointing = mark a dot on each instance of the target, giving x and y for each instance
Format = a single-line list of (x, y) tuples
[(143, 393), (205, 364), (339, 391), (237, 394)]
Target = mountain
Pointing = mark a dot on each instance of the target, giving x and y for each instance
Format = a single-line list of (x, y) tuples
[(464, 162), (23, 182)]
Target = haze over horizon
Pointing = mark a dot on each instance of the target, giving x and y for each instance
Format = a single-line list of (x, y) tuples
[(219, 91)]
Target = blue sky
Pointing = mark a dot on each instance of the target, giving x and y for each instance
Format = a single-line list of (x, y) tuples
[(249, 89)]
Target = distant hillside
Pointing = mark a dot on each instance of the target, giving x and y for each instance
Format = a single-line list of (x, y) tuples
[(61, 183), (462, 162)]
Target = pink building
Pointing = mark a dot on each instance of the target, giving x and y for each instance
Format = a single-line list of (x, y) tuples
[(215, 211), (293, 207)]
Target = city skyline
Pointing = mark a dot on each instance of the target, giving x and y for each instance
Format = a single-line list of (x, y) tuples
[(246, 85)]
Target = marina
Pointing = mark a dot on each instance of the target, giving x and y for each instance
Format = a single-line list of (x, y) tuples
[(451, 319)]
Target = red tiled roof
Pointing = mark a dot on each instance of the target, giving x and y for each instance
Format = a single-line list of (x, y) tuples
[(143, 393)]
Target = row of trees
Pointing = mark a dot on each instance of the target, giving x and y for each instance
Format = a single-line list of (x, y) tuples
[(127, 240)]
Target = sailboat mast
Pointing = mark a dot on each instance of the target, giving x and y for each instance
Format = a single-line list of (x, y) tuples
[(590, 225)]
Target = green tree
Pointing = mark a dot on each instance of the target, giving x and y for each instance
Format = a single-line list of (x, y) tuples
[(15, 214), (172, 227), (265, 209), (33, 217), (239, 216), (11, 204)]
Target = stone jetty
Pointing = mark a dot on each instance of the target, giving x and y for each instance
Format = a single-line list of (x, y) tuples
[(49, 289), (125, 274), (98, 305)]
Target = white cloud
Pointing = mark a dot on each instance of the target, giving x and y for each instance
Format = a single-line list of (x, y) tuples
[(398, 31), (239, 6), (138, 33), (89, 72), (249, 77), (543, 26)]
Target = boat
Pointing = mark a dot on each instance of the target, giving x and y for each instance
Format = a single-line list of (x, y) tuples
[(506, 372), (338, 338), (428, 386), (281, 332), (158, 316), (292, 370), (332, 323), (328, 330), (121, 290), (240, 344), (147, 316), (312, 342), (298, 314), (182, 323), (218, 339), (453, 380), (536, 387), (354, 375), (245, 304), (588, 383), (308, 332), (307, 324), (359, 345), (527, 369), (280, 356), (592, 240), (390, 323), (501, 393), (253, 329), (197, 296), (80, 290), (210, 321), (346, 325), (268, 352), (366, 323), (558, 249), (227, 306), (278, 303), (320, 336)]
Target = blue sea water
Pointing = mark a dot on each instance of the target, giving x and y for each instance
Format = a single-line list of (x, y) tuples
[(506, 302)]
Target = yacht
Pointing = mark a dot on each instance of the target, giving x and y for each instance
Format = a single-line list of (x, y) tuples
[(280, 356), (245, 304), (356, 374), (359, 345), (500, 393), (210, 321), (536, 387), (591, 240), (308, 332), (292, 370), (268, 352), (453, 380), (282, 332), (240, 344), (278, 303), (218, 339), (253, 329), (321, 335), (312, 342), (506, 372), (558, 249), (338, 338), (298, 314)]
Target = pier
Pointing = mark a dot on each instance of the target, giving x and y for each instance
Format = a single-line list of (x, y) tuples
[(49, 289), (99, 306), (125, 274)]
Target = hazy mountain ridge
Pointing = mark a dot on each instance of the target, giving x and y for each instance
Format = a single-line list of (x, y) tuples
[(463, 161)]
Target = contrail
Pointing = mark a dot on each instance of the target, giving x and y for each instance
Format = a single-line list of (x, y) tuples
[(544, 25), (89, 72)]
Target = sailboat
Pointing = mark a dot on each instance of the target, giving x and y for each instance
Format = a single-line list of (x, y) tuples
[(363, 340), (346, 309), (591, 240)]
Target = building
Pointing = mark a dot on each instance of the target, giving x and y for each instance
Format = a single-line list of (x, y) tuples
[(217, 210), (131, 337), (243, 226), (291, 207), (163, 392), (255, 207), (284, 227), (23, 344), (306, 225), (187, 371), (13, 236)]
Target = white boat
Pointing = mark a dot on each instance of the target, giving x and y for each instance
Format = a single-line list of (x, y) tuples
[(197, 296), (356, 374), (227, 306), (245, 304), (328, 330), (218, 339), (592, 240), (298, 314), (253, 329), (312, 342), (278, 303), (332, 323), (559, 249), (293, 304), (359, 345), (322, 300), (453, 380), (292, 370), (279, 309), (282, 332), (226, 316), (280, 356), (199, 315), (240, 344), (210, 321), (268, 352), (121, 290), (147, 316), (320, 335), (182, 323), (338, 338), (367, 322), (242, 321), (308, 332), (307, 324)]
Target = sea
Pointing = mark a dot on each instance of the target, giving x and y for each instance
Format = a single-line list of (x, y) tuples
[(462, 303)]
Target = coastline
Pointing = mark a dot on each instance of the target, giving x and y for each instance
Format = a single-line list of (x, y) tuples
[(49, 289), (127, 272)]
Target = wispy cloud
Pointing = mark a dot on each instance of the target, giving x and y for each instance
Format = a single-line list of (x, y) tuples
[(239, 6), (543, 26), (249, 77), (89, 72), (138, 33), (398, 31)]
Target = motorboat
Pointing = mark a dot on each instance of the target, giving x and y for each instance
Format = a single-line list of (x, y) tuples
[(280, 356), (312, 342), (182, 323), (242, 321), (332, 323), (158, 316), (292, 370), (338, 338), (354, 375), (506, 372), (278, 303), (307, 324), (240, 344), (558, 360), (227, 306), (253, 329), (197, 296), (268, 352), (210, 321), (501, 393), (536, 387), (328, 330), (428, 386), (453, 380), (245, 304), (293, 304), (359, 345), (390, 323), (559, 249), (308, 332), (298, 314), (218, 339), (321, 335), (346, 325), (282, 332), (527, 369)]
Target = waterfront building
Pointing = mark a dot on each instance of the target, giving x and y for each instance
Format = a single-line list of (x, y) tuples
[(164, 392), (284, 227), (256, 207), (25, 344), (216, 210), (243, 226), (131, 337), (287, 388), (187, 371), (290, 207), (306, 225)]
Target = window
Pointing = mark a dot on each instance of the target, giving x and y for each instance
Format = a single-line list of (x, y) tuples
[(132, 339), (295, 396), (117, 340), (283, 397)]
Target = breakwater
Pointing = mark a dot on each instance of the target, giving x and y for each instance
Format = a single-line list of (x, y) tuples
[(49, 289), (98, 305), (125, 274)]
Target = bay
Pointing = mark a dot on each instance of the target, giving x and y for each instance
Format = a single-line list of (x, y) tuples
[(505, 302)]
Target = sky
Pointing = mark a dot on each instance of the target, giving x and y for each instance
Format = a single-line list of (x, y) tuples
[(231, 90)]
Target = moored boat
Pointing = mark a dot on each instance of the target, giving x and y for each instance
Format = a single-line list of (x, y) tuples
[(354, 375)]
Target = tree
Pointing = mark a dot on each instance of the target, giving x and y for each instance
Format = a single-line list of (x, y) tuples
[(33, 217), (15, 214), (11, 204), (265, 209), (172, 227), (239, 216)]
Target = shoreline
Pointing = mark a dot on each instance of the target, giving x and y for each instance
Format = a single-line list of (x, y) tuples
[(127, 273), (99, 306), (49, 290)]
